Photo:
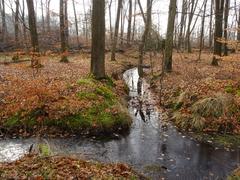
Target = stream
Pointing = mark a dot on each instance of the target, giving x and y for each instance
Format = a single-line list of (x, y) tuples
[(152, 147)]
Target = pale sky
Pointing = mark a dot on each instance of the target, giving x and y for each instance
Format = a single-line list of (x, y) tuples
[(159, 13)]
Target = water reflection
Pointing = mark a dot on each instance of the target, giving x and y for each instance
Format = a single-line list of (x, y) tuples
[(150, 143)]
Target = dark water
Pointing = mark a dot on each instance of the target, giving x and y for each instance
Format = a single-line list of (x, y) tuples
[(155, 148)]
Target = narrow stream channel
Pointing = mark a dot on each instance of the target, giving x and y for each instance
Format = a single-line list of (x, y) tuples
[(156, 149)]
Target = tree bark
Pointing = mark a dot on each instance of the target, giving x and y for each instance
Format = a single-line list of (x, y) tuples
[(210, 25), (169, 37), (4, 24), (76, 22), (202, 31), (98, 39), (217, 51), (145, 37), (115, 38), (66, 21), (183, 21), (16, 24), (32, 26), (129, 22), (226, 13)]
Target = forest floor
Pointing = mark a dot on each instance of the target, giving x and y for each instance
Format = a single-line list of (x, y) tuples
[(59, 167), (199, 97), (61, 98), (196, 96)]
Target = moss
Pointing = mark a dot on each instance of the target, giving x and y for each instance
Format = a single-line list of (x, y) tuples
[(13, 121), (64, 59), (238, 92), (229, 89), (44, 149), (105, 92), (87, 95), (85, 81)]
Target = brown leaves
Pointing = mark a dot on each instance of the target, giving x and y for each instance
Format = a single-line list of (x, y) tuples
[(57, 167)]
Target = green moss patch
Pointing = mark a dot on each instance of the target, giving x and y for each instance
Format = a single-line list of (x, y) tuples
[(94, 109)]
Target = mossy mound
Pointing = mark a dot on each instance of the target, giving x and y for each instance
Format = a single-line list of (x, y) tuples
[(94, 109)]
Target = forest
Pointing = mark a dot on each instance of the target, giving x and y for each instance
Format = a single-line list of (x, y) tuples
[(120, 89)]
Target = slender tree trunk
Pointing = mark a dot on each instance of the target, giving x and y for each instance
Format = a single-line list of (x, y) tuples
[(43, 19), (63, 35), (85, 21), (16, 24), (76, 22), (134, 20), (66, 22), (183, 21), (169, 37), (210, 26), (98, 39), (226, 13), (238, 31), (115, 38), (110, 19), (145, 37), (190, 18), (24, 25), (4, 24), (202, 31), (48, 15), (32, 26), (129, 22), (219, 4)]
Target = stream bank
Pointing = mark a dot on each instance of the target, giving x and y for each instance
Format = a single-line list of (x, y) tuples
[(153, 147)]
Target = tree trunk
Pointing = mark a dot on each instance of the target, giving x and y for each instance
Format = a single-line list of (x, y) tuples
[(129, 22), (66, 21), (48, 15), (63, 35), (183, 21), (76, 22), (110, 19), (145, 37), (210, 25), (16, 24), (217, 51), (238, 31), (169, 37), (32, 26), (98, 39), (226, 13), (134, 20), (4, 24), (115, 38), (202, 30), (43, 19)]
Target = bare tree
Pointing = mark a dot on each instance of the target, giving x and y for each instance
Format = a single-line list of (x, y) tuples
[(98, 39), (129, 22), (226, 13), (48, 15), (202, 30), (63, 35), (210, 25), (4, 24), (219, 4), (145, 37), (169, 37), (16, 24), (76, 23), (115, 38), (182, 23), (32, 26)]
